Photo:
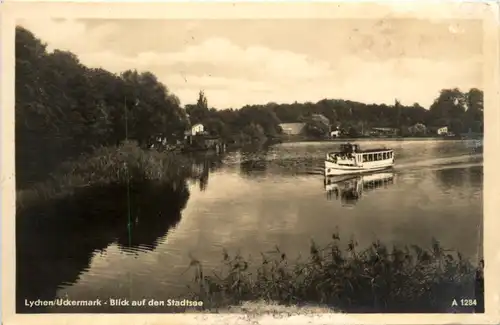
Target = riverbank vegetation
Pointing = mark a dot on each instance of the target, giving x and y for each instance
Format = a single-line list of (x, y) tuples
[(108, 166), (377, 279), (64, 109)]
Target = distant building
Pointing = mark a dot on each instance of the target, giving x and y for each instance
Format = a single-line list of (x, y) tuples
[(442, 130), (384, 131), (292, 128), (197, 129), (320, 118), (196, 140), (335, 134)]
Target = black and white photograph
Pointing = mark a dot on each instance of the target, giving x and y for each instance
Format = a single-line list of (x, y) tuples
[(221, 165)]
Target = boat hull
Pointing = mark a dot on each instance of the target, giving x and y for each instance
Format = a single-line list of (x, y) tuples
[(332, 169)]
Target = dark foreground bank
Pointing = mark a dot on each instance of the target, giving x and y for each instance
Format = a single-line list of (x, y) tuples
[(375, 280)]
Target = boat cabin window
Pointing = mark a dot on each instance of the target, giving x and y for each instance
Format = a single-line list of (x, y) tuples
[(384, 155)]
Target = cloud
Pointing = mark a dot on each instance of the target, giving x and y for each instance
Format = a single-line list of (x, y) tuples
[(69, 34), (234, 75), (272, 63), (287, 77), (219, 52)]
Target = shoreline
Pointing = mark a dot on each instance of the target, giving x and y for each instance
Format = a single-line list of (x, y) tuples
[(479, 141), (305, 139)]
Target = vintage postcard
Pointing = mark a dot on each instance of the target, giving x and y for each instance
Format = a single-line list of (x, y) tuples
[(250, 162)]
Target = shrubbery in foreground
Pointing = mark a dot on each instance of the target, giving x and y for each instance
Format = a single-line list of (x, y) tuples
[(377, 279)]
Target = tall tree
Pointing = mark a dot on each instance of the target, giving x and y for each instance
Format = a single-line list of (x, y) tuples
[(474, 114), (64, 109), (199, 112)]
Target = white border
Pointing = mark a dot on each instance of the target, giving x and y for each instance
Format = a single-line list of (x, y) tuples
[(10, 11)]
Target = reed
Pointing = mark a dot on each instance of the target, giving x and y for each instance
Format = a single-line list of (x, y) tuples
[(375, 279), (122, 164)]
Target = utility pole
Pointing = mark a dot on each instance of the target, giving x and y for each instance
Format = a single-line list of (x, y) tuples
[(129, 224), (126, 118)]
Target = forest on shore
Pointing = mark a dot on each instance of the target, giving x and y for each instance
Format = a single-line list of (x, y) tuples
[(64, 109)]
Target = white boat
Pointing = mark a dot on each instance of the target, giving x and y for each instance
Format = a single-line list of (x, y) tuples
[(351, 160)]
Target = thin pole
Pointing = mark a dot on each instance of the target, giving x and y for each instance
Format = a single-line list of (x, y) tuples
[(126, 118), (129, 225)]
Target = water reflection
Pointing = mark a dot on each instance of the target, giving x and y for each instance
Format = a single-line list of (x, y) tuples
[(350, 188), (275, 160), (57, 239), (254, 160), (202, 164), (460, 177)]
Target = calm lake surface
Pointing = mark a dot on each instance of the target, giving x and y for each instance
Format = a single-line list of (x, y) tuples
[(256, 199)]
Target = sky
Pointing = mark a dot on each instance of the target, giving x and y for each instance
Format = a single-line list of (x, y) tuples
[(256, 61)]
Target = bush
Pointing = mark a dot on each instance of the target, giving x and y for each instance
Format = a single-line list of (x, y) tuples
[(107, 166)]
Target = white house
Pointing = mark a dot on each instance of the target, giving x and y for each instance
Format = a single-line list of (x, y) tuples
[(197, 129), (442, 131), (335, 133)]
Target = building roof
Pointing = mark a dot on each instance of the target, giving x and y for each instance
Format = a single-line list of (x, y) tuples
[(384, 129), (321, 117), (292, 127)]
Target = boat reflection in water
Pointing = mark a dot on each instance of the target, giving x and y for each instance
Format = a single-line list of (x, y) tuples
[(350, 188)]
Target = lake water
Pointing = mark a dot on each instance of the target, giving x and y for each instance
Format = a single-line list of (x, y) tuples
[(256, 199)]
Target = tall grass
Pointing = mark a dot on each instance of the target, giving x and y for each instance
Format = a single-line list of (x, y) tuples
[(120, 164), (376, 279)]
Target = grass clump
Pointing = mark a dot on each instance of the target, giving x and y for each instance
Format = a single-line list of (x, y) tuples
[(376, 279), (122, 164)]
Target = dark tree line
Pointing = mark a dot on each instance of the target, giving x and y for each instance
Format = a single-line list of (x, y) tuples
[(64, 108)]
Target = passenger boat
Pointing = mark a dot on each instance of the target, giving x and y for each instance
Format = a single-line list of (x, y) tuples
[(351, 159)]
